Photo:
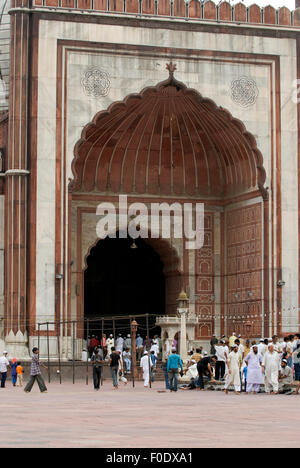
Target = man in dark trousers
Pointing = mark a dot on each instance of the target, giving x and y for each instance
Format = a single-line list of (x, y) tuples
[(35, 373), (97, 360), (114, 362), (204, 367)]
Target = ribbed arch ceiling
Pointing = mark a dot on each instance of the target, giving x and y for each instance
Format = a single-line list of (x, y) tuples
[(167, 140)]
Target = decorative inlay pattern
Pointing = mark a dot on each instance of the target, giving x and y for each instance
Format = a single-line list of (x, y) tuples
[(96, 83), (244, 91)]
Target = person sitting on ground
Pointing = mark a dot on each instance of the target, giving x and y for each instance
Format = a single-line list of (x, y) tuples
[(192, 374), (285, 378)]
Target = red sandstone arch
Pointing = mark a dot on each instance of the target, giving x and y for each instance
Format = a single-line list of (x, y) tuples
[(167, 139)]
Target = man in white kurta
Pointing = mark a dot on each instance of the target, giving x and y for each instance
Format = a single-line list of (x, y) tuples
[(254, 373), (271, 367), (110, 343), (233, 374), (146, 364)]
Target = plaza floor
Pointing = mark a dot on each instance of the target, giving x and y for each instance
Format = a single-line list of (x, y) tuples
[(77, 416)]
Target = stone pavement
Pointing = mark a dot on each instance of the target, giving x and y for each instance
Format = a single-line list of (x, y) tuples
[(77, 416)]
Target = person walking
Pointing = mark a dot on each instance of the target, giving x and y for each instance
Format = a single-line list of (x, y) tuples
[(205, 368), (97, 362), (35, 373), (254, 373), (271, 368), (146, 365), (4, 365), (114, 367), (174, 362)]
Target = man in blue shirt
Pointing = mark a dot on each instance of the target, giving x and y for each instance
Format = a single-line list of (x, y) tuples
[(174, 362)]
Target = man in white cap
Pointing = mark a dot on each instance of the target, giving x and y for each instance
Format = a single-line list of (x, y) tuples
[(254, 372), (110, 343), (262, 348), (233, 375), (155, 348), (285, 377), (4, 365), (271, 368), (146, 365)]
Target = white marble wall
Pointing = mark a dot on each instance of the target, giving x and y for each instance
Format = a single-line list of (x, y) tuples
[(131, 74)]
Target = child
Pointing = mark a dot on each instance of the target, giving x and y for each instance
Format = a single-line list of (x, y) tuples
[(14, 371), (20, 372)]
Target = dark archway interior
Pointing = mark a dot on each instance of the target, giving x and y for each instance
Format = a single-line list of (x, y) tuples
[(121, 280)]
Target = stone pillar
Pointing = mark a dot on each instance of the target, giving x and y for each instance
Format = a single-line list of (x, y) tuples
[(16, 191), (183, 344)]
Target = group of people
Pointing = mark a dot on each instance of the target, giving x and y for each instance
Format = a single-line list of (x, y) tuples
[(14, 367), (120, 343), (17, 372), (238, 363), (119, 358), (247, 366)]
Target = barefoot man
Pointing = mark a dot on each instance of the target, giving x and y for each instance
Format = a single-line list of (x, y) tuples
[(233, 376)]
